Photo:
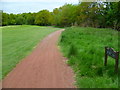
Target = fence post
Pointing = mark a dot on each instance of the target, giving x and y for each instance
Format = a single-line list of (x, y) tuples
[(116, 62), (105, 63)]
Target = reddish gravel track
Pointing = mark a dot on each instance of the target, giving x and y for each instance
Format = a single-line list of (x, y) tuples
[(45, 67)]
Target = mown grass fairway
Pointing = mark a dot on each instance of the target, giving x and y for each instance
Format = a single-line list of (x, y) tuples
[(85, 49), (19, 41)]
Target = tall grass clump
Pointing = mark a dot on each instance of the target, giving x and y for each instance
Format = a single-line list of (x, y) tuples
[(84, 47)]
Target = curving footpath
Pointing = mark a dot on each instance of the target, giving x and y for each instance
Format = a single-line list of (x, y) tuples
[(45, 67)]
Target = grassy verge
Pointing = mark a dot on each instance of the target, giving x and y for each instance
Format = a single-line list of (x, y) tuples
[(0, 53), (18, 42), (84, 47)]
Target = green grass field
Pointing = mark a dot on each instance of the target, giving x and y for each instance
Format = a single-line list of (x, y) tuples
[(18, 42), (84, 47), (0, 53)]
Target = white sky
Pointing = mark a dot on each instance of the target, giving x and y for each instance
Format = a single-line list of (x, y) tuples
[(68, 1)]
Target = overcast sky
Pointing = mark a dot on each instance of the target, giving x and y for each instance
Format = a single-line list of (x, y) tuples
[(20, 6)]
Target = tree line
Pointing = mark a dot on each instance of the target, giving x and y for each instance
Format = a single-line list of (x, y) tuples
[(85, 14)]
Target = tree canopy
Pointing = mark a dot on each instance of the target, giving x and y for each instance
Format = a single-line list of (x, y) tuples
[(86, 14)]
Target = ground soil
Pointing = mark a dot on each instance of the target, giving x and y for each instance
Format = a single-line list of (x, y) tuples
[(45, 67)]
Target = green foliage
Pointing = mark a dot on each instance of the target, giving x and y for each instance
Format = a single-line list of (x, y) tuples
[(0, 17), (4, 19), (30, 20), (86, 14), (113, 15), (85, 49), (20, 20), (11, 20), (43, 18), (65, 15), (18, 42)]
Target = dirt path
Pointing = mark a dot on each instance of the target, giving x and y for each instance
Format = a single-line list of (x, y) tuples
[(43, 68)]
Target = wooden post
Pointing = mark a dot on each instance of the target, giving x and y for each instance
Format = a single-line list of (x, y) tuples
[(114, 54), (105, 63), (116, 62)]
